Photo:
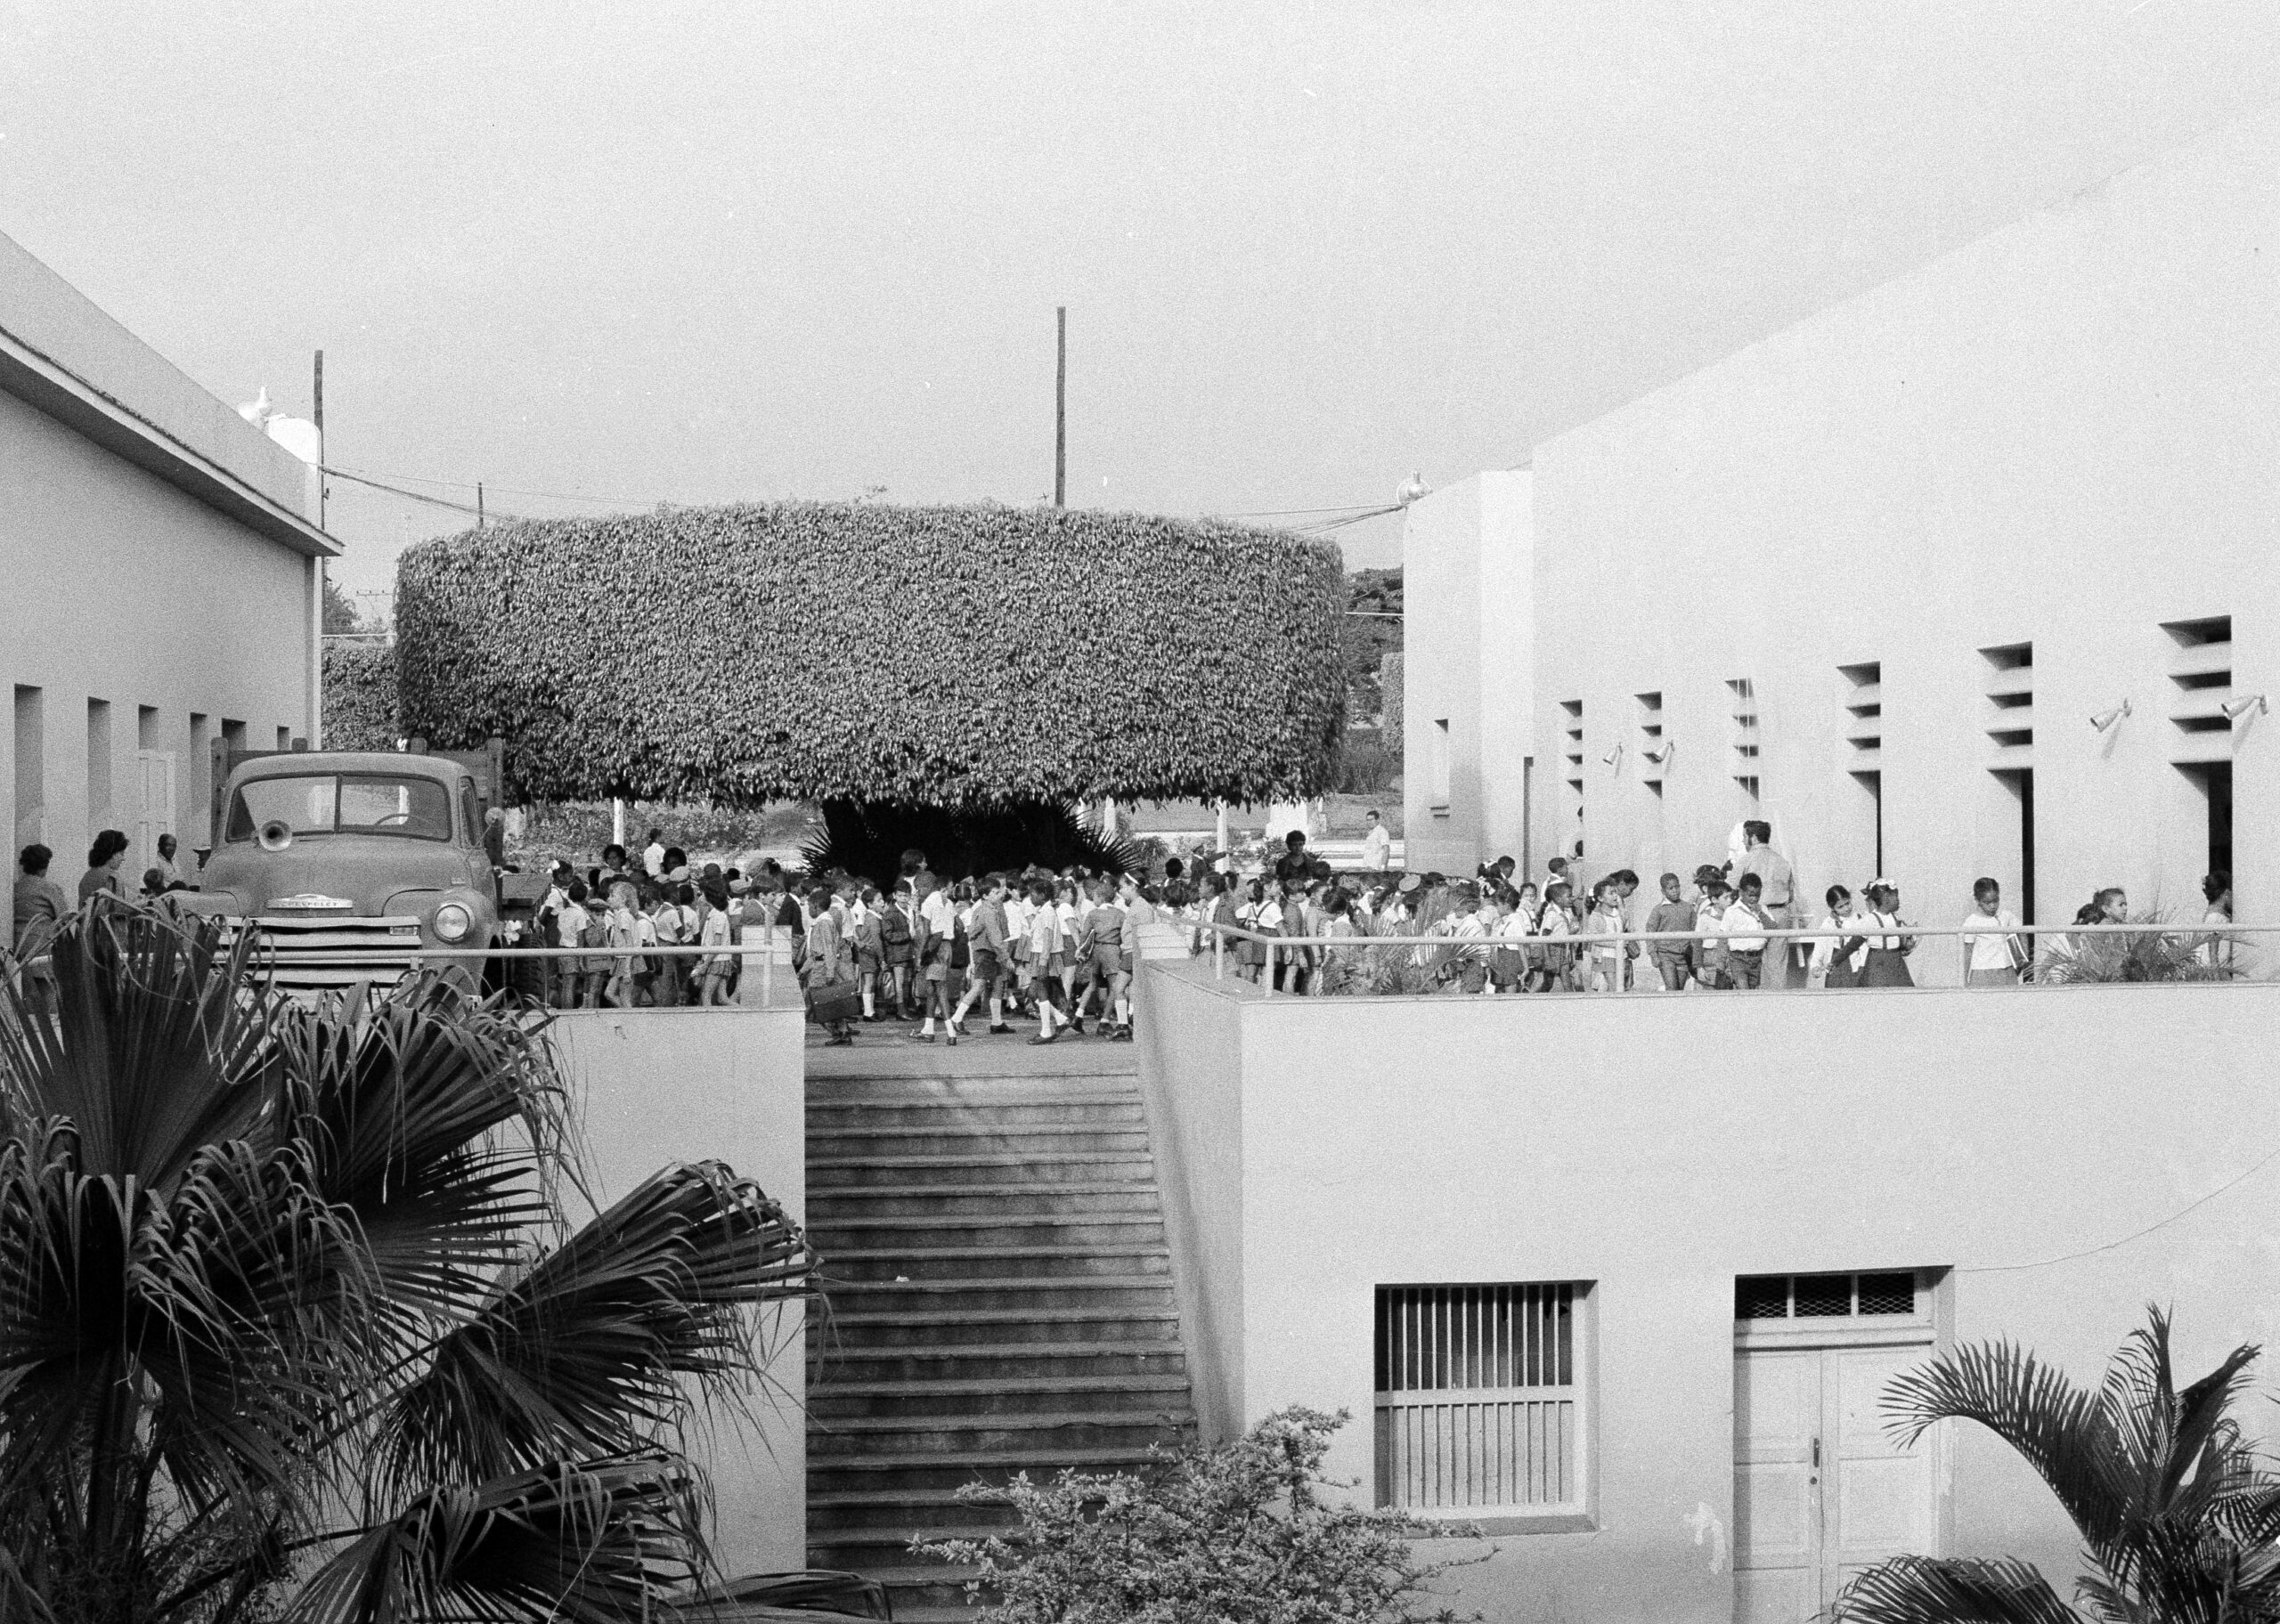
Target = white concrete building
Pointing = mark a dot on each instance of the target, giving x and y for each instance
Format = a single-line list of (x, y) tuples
[(165, 578), (1873, 579)]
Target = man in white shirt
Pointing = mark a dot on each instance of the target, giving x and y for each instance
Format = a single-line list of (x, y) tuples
[(1993, 949), (653, 855), (1745, 952), (1377, 847)]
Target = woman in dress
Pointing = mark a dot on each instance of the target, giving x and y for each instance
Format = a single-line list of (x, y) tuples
[(1887, 947)]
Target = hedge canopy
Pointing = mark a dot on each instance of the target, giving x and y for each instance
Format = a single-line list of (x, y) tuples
[(360, 696), (954, 657)]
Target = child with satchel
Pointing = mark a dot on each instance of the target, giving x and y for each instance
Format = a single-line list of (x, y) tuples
[(827, 970)]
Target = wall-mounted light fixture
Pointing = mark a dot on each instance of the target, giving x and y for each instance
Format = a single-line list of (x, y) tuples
[(2235, 708), (1661, 755), (1613, 756), (2104, 720)]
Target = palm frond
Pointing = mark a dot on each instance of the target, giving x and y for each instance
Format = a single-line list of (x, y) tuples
[(157, 1049), (586, 1353), (393, 1101), (563, 1543), (1933, 1590), (2061, 1430)]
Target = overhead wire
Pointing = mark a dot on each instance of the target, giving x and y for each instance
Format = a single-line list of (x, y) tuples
[(417, 496)]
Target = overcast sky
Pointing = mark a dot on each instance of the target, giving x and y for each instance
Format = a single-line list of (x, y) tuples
[(699, 253)]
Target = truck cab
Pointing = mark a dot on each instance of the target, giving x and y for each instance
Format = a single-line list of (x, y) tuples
[(348, 862)]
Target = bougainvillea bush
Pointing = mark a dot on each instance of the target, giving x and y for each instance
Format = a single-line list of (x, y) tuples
[(962, 658), (360, 697)]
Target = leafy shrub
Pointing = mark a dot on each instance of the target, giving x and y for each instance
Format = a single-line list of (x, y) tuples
[(956, 657), (2169, 949), (1365, 766), (1391, 709), (1239, 1534), (360, 696)]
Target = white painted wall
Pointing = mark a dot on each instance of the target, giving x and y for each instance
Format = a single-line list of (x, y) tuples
[(657, 1086), (2067, 433), (1468, 563), (2048, 1147)]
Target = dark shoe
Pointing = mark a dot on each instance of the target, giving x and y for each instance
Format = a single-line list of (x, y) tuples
[(1001, 1031), (1122, 1035), (952, 1038), (1042, 1039)]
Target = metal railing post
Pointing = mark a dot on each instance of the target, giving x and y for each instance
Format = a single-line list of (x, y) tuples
[(1268, 984)]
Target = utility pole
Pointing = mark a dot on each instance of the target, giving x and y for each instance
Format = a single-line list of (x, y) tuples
[(319, 423), (1061, 407), (478, 504)]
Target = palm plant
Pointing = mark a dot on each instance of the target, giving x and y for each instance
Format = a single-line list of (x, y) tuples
[(2179, 1518), (291, 1319), (2168, 949)]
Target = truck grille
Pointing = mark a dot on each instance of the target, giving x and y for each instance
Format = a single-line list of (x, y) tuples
[(311, 955)]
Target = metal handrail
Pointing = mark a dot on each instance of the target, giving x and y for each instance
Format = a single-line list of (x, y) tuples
[(1616, 940)]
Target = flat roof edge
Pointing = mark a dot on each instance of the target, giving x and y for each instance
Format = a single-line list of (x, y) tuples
[(78, 405)]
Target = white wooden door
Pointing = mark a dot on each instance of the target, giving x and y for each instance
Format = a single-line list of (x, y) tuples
[(1820, 1491), (154, 809)]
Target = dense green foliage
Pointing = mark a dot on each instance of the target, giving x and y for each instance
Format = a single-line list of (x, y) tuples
[(1367, 765), (339, 609), (292, 1318), (1239, 1534), (1372, 631), (2178, 1510), (955, 657), (1391, 709), (360, 696)]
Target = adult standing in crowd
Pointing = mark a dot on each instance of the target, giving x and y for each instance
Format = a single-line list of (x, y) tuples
[(103, 860), (40, 908), (1776, 889), (1377, 847), (653, 853), (169, 872)]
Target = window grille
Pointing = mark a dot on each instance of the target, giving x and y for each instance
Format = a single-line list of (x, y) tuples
[(1480, 1398), (1823, 1297)]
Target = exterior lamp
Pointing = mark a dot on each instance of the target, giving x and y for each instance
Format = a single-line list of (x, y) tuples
[(2235, 708), (1660, 756), (2104, 720), (1614, 757)]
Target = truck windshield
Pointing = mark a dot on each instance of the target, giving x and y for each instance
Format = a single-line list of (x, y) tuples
[(351, 803)]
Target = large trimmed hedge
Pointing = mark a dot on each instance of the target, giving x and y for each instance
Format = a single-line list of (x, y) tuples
[(953, 657), (360, 696)]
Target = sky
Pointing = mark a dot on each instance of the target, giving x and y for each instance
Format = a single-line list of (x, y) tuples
[(598, 257)]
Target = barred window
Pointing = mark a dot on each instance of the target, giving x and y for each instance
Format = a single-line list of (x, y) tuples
[(1481, 1393)]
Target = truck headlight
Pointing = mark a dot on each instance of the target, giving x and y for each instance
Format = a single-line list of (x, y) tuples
[(452, 921)]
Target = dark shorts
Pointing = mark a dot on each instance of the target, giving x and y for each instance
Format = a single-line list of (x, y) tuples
[(987, 966), (899, 952), (1108, 961), (869, 961)]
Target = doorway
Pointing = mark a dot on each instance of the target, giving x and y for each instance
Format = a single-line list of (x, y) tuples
[(1821, 1491), (2214, 782)]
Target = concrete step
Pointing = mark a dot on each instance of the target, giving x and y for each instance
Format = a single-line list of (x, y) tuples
[(916, 1232), (960, 1403), (923, 1592), (835, 1116), (937, 1327), (1044, 1261), (885, 1554), (1034, 1295), (838, 1169), (845, 1202), (1009, 1363), (965, 1137), (868, 1437), (901, 1471), (939, 1510), (977, 1088)]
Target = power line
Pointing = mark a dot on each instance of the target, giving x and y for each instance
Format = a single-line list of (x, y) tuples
[(417, 496)]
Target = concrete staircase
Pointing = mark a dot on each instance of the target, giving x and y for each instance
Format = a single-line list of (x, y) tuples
[(1000, 1300)]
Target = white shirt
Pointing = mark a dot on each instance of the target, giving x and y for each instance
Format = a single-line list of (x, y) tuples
[(1738, 918), (940, 915), (653, 858), (1990, 939), (1377, 848)]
